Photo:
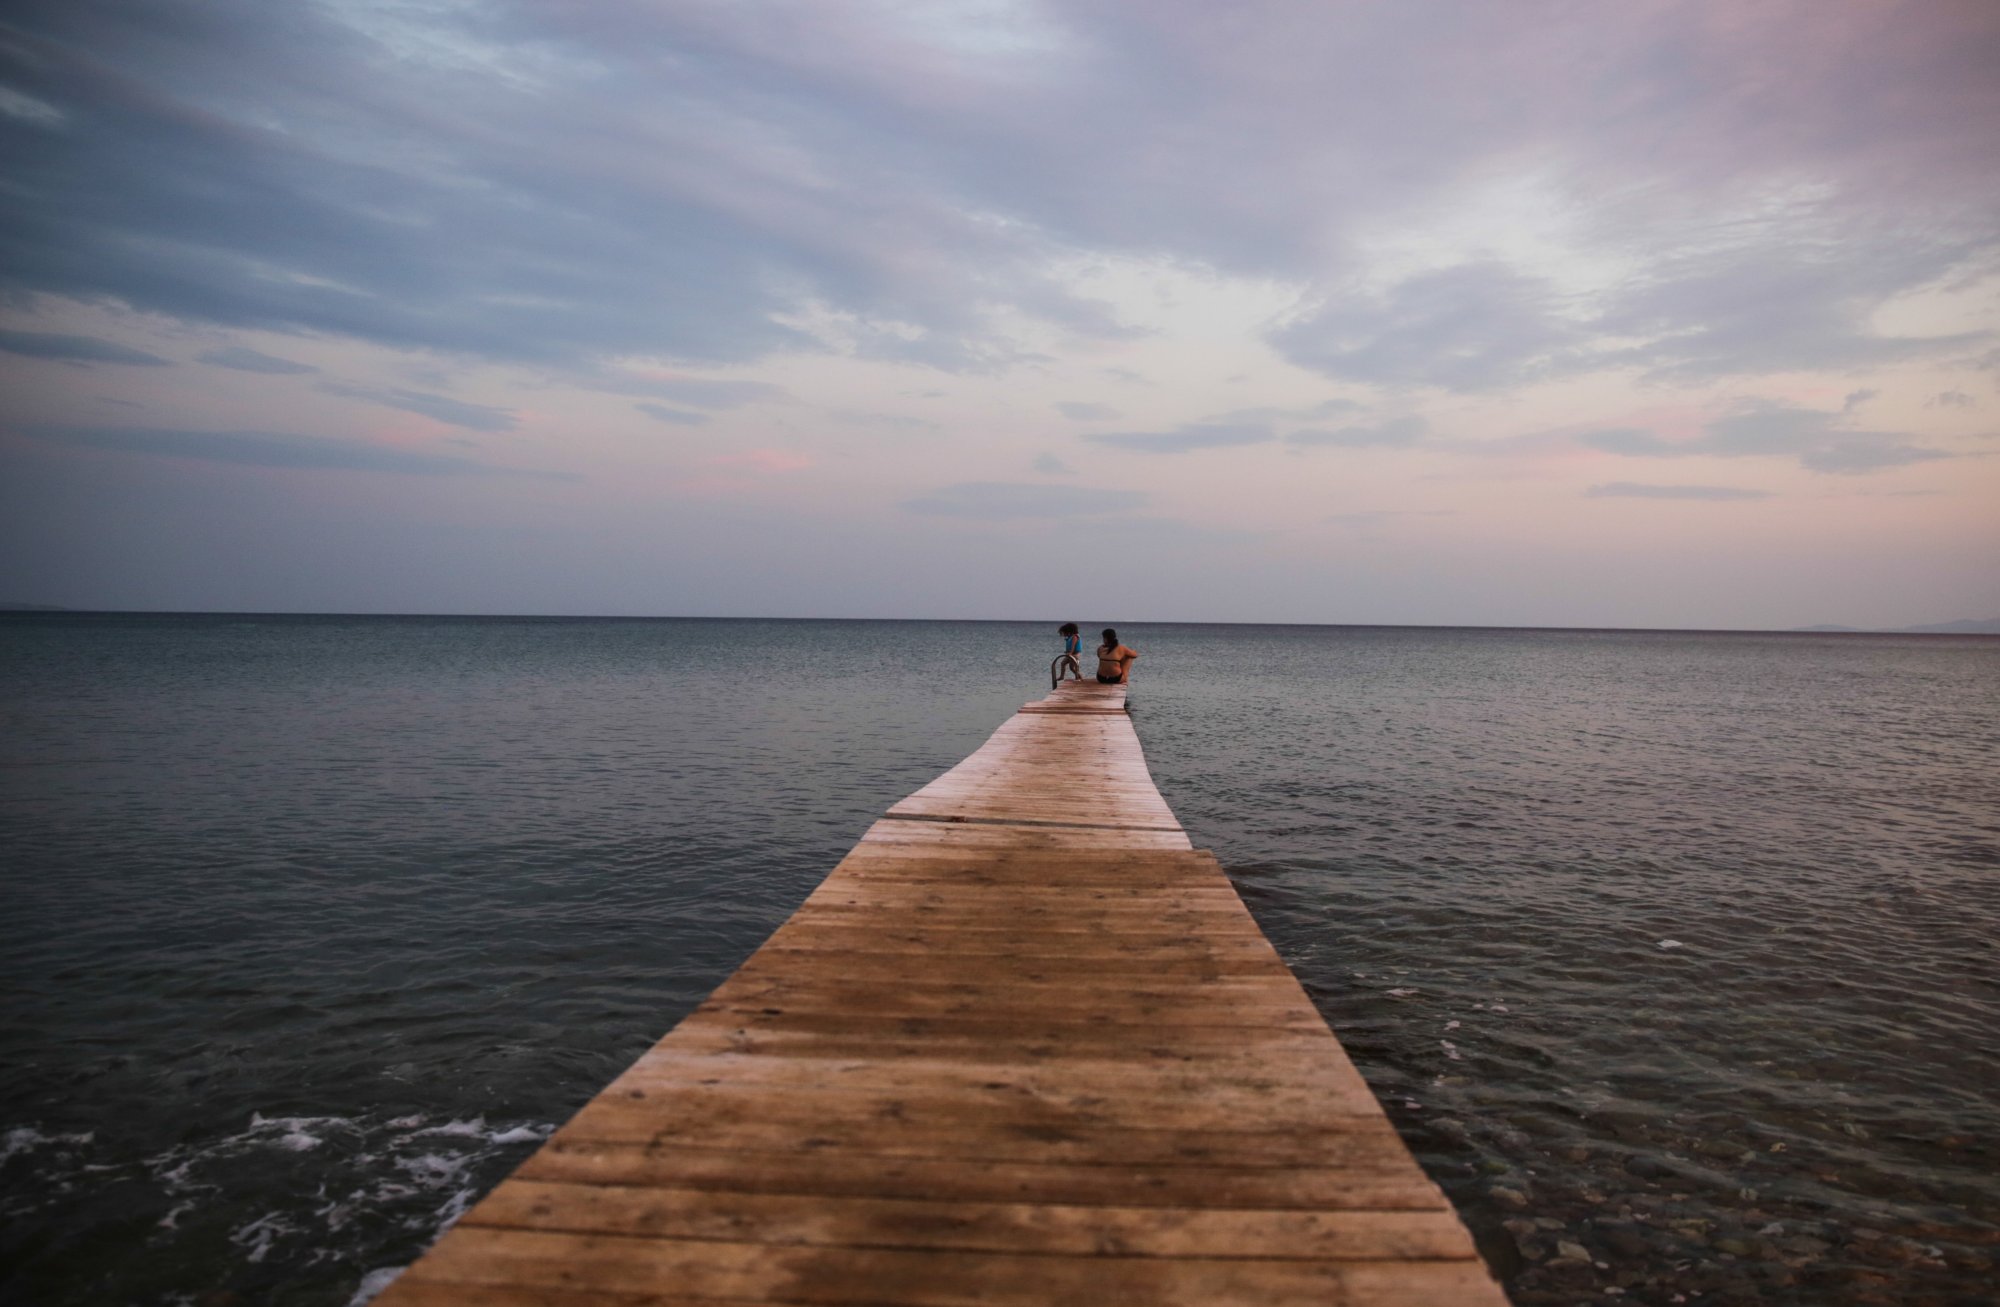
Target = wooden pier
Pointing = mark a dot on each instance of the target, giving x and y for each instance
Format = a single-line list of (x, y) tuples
[(1024, 1045)]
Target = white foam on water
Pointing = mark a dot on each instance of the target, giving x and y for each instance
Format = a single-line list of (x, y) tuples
[(520, 1134), (175, 1179), (433, 1170), (373, 1283), (259, 1235), (455, 1207), (291, 1191), (295, 1126), (26, 1139), (44, 1168), (478, 1129), (1671, 943), (475, 1128)]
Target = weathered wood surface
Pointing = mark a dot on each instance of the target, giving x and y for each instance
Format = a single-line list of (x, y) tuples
[(1024, 1045)]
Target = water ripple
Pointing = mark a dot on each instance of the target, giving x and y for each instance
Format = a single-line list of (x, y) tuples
[(1679, 949)]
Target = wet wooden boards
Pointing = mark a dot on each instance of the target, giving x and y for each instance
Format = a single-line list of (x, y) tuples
[(1023, 1046)]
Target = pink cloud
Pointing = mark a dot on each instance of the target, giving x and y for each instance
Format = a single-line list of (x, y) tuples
[(770, 461)]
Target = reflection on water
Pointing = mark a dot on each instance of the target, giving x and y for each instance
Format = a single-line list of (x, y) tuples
[(1672, 955)]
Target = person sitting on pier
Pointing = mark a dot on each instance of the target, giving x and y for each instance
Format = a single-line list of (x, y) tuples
[(1066, 661), (1114, 660)]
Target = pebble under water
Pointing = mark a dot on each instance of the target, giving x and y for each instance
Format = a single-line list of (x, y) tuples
[(1673, 956)]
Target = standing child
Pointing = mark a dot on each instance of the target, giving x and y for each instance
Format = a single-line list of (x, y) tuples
[(1067, 660)]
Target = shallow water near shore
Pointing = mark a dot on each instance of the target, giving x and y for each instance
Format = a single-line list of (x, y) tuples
[(1673, 956)]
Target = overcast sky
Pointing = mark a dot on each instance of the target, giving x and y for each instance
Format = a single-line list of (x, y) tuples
[(1639, 314)]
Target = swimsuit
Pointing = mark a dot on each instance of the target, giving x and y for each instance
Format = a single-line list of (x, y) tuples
[(1106, 679)]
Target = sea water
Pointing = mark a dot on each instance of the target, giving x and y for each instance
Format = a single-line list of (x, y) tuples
[(1673, 956)]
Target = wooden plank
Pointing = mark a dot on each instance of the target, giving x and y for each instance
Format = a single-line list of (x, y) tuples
[(1022, 915), (894, 964), (911, 864), (1376, 1184), (1023, 1045), (1152, 946), (482, 1258), (1025, 838), (1106, 1035), (973, 1227), (892, 1127), (1004, 1113), (1288, 1054), (1208, 1005)]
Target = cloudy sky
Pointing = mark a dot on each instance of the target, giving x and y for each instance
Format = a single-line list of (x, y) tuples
[(1642, 314)]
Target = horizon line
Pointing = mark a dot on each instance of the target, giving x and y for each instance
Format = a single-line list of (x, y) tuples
[(45, 610)]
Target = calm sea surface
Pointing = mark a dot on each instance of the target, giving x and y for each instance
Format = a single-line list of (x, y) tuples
[(1676, 957)]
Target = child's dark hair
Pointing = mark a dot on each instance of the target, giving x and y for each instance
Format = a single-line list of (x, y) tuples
[(1067, 628)]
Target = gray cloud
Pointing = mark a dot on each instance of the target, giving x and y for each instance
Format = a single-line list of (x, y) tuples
[(1866, 454), (573, 184), (1698, 314), (1951, 399), (1473, 327), (1049, 465), (1086, 412), (76, 349), (679, 416), (1373, 517), (997, 500), (1186, 438), (555, 198), (1770, 430), (439, 408), (1161, 532), (268, 449), (1396, 433), (1639, 490), (700, 392), (1270, 413), (243, 359), (1637, 442), (1783, 298), (1856, 398), (884, 421), (425, 374)]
